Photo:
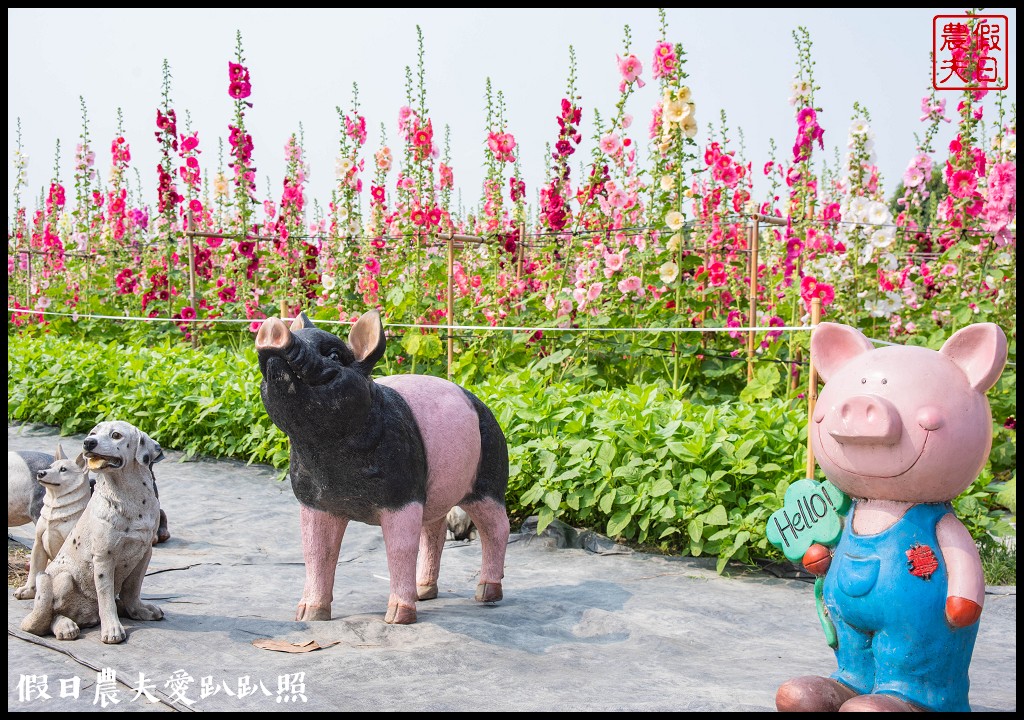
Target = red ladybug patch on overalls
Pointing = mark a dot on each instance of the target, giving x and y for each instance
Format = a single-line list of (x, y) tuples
[(921, 561)]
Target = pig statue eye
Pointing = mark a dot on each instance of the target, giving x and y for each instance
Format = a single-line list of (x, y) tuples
[(884, 381), (335, 356), (863, 381)]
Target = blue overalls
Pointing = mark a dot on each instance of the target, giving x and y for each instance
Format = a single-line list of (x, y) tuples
[(889, 609)]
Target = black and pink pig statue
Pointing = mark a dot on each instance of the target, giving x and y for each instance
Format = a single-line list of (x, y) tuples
[(903, 431), (398, 452)]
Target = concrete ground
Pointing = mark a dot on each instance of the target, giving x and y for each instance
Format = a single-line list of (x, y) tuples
[(591, 628)]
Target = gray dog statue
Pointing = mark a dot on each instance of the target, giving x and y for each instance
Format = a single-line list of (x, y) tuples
[(98, 573)]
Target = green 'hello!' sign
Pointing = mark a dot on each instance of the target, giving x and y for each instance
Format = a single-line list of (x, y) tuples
[(809, 514)]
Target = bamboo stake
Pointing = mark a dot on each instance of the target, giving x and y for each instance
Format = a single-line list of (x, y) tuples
[(519, 251), (28, 285), (812, 388), (752, 313), (451, 301), (192, 290)]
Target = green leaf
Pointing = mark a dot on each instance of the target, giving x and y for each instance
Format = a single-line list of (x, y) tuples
[(618, 522), (661, 487), (716, 516)]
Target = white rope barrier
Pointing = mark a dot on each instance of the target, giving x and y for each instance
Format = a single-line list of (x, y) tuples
[(509, 328), (474, 328)]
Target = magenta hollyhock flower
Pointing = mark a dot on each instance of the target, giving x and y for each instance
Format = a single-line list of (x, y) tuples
[(373, 266), (377, 193), (434, 216), (963, 183), (187, 313), (239, 90), (825, 293), (418, 216)]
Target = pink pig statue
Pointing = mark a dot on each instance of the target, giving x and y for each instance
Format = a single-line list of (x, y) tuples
[(398, 452), (902, 430)]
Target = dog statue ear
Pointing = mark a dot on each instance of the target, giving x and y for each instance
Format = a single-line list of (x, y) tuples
[(81, 462), (149, 451), (59, 455)]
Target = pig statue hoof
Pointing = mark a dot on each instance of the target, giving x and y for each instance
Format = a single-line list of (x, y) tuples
[(812, 694), (488, 592), (400, 615), (426, 592), (313, 613)]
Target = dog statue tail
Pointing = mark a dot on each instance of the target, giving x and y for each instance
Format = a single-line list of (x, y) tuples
[(38, 621)]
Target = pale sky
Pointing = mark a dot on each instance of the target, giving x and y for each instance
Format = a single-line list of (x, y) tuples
[(303, 64)]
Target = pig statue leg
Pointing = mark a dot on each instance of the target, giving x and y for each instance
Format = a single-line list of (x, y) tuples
[(429, 561), (401, 530), (321, 543), (491, 520)]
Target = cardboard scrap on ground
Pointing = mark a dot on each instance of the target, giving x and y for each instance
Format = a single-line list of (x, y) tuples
[(290, 647)]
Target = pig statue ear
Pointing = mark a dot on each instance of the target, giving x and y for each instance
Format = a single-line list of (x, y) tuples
[(59, 455), (367, 341), (980, 351), (301, 322), (833, 345)]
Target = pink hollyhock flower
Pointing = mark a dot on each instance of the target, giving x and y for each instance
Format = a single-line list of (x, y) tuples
[(594, 291), (963, 183), (913, 176), (618, 198), (446, 177), (632, 284), (630, 67), (610, 143), (613, 261), (730, 175), (949, 269), (664, 60)]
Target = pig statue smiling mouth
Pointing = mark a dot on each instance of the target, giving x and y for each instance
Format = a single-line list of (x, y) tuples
[(398, 452)]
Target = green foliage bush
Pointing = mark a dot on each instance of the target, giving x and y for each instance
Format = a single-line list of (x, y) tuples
[(639, 462)]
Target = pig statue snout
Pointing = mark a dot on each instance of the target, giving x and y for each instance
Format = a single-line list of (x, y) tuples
[(864, 420), (273, 335)]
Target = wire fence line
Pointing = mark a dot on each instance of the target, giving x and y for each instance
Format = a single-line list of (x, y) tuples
[(459, 328)]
